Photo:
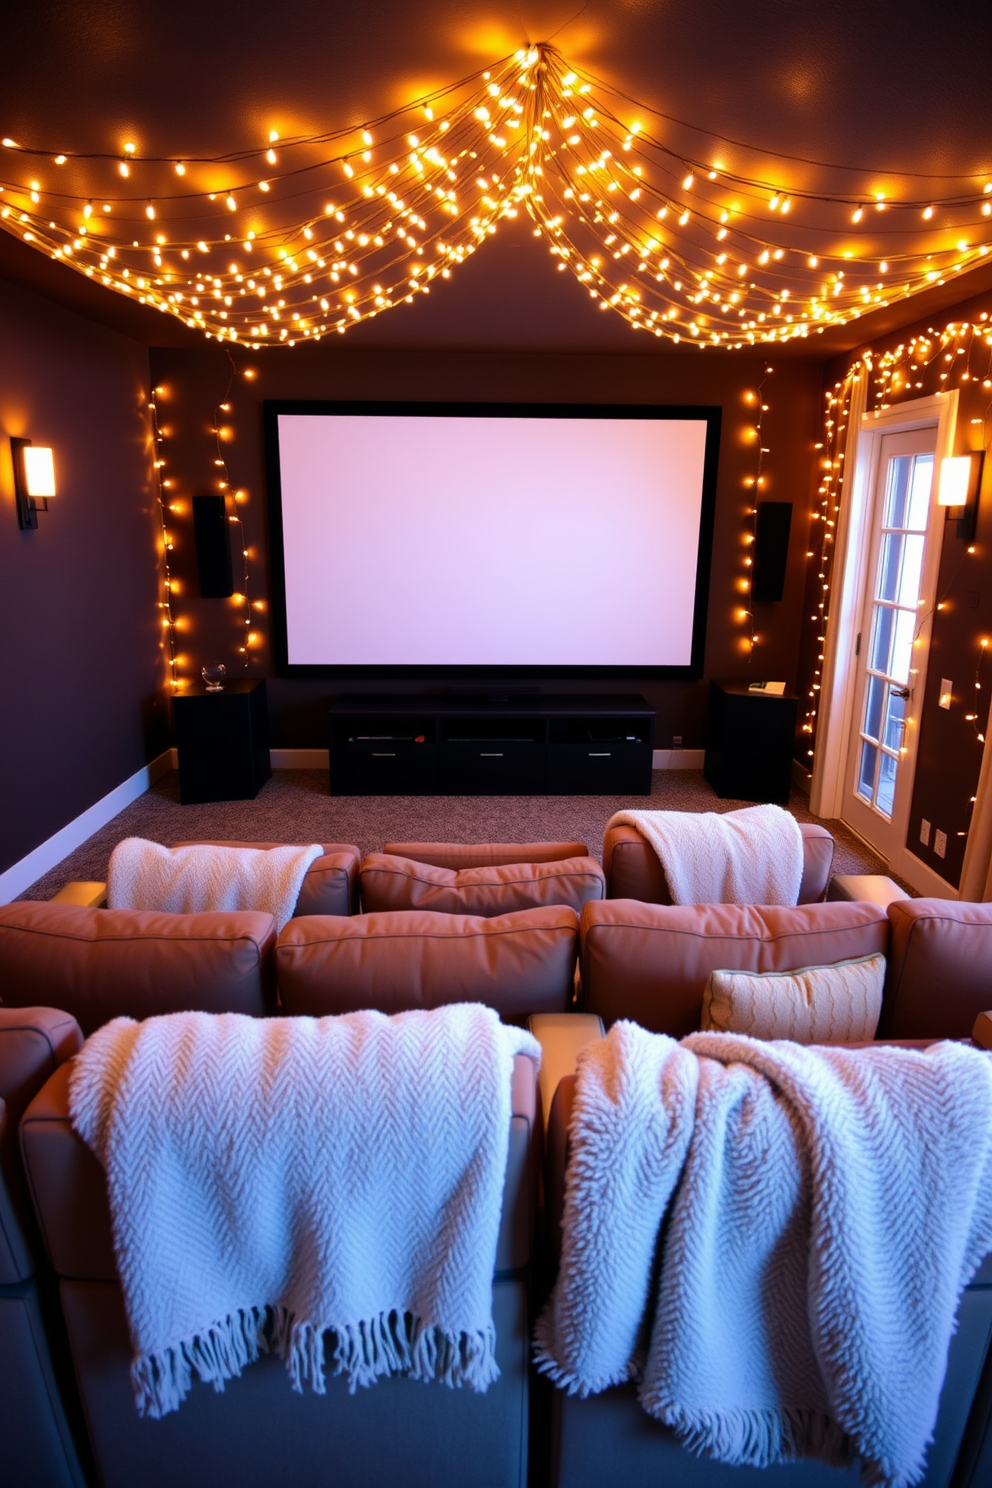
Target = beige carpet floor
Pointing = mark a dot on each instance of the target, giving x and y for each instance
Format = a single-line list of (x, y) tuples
[(294, 806)]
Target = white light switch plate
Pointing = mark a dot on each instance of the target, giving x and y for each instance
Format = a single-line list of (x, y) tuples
[(925, 832), (946, 689), (940, 844)]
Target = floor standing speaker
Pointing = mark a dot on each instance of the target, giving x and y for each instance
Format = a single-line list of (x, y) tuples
[(771, 549), (213, 547)]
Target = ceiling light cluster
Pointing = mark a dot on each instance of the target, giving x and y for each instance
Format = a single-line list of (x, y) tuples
[(307, 236)]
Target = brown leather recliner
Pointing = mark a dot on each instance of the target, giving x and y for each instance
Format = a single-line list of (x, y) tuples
[(518, 964), (99, 964), (258, 1432), (651, 962), (36, 1444), (633, 871)]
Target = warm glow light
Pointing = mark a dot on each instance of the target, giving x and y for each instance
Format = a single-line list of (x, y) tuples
[(376, 225), (955, 477), (39, 471)]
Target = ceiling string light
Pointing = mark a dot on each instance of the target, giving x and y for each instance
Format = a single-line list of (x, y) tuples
[(660, 221)]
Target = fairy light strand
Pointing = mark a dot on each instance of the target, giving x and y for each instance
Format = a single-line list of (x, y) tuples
[(305, 237), (928, 362), (247, 638), (166, 546)]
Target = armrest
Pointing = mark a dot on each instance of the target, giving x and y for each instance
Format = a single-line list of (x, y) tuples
[(86, 892), (982, 1031), (556, 1160), (865, 888), (561, 1037)]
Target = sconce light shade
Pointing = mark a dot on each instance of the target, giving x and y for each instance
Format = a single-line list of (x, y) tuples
[(955, 478), (960, 476), (34, 480), (39, 471)]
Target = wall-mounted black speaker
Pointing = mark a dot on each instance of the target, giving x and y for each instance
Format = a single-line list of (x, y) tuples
[(771, 549), (213, 547)]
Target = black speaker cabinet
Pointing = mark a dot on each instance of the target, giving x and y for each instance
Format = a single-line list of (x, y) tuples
[(771, 549), (213, 547)]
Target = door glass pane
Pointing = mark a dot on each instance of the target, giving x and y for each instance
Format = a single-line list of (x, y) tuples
[(886, 784), (895, 715), (881, 640), (900, 567), (919, 499), (907, 494), (897, 491), (866, 771), (902, 646), (873, 708)]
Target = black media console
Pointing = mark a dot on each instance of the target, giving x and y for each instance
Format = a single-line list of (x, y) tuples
[(477, 744)]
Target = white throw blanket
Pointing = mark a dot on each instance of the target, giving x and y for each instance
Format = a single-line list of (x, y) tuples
[(275, 1181), (183, 880), (753, 856), (829, 1207)]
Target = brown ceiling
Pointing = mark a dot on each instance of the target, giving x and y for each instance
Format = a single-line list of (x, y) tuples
[(873, 83)]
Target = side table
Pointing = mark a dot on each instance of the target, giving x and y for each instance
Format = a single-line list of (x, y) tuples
[(750, 737), (223, 742)]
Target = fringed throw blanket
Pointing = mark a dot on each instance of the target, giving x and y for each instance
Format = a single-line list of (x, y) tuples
[(289, 1182), (183, 880), (753, 856), (827, 1208)]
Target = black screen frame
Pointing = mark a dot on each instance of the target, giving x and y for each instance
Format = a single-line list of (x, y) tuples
[(711, 415)]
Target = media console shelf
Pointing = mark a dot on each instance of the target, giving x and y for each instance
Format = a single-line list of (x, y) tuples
[(474, 744)]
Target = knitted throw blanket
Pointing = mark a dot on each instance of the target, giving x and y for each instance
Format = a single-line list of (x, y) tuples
[(183, 880), (288, 1183), (826, 1207), (753, 856)]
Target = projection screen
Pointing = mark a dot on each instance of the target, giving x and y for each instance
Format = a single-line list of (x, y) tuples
[(518, 539)]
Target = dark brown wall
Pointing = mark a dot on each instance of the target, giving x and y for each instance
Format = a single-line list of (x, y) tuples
[(193, 383), (82, 705), (950, 752)]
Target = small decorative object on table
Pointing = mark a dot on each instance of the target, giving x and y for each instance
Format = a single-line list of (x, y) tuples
[(213, 675)]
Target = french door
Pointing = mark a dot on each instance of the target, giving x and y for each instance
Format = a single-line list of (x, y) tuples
[(893, 639)]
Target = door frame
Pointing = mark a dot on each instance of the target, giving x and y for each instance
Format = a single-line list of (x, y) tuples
[(839, 673)]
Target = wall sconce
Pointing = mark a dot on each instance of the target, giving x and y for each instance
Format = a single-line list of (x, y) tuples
[(34, 479), (960, 477)]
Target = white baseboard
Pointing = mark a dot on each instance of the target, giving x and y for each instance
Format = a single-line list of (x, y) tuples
[(299, 759), (802, 778), (49, 854), (678, 759), (922, 877)]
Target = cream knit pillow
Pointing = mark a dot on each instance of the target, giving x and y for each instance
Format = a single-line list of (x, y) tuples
[(817, 1005)]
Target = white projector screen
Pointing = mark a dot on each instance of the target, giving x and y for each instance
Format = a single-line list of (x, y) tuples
[(534, 539)]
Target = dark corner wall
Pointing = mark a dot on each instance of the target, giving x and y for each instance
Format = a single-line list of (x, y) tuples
[(83, 701), (950, 749), (194, 382)]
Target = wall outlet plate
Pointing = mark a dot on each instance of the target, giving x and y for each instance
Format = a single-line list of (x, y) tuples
[(946, 691), (924, 832), (940, 844)]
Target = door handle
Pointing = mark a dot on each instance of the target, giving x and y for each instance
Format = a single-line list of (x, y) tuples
[(899, 692)]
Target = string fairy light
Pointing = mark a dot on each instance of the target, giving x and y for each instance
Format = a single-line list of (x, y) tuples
[(959, 353), (162, 483), (753, 484), (247, 638), (279, 246)]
